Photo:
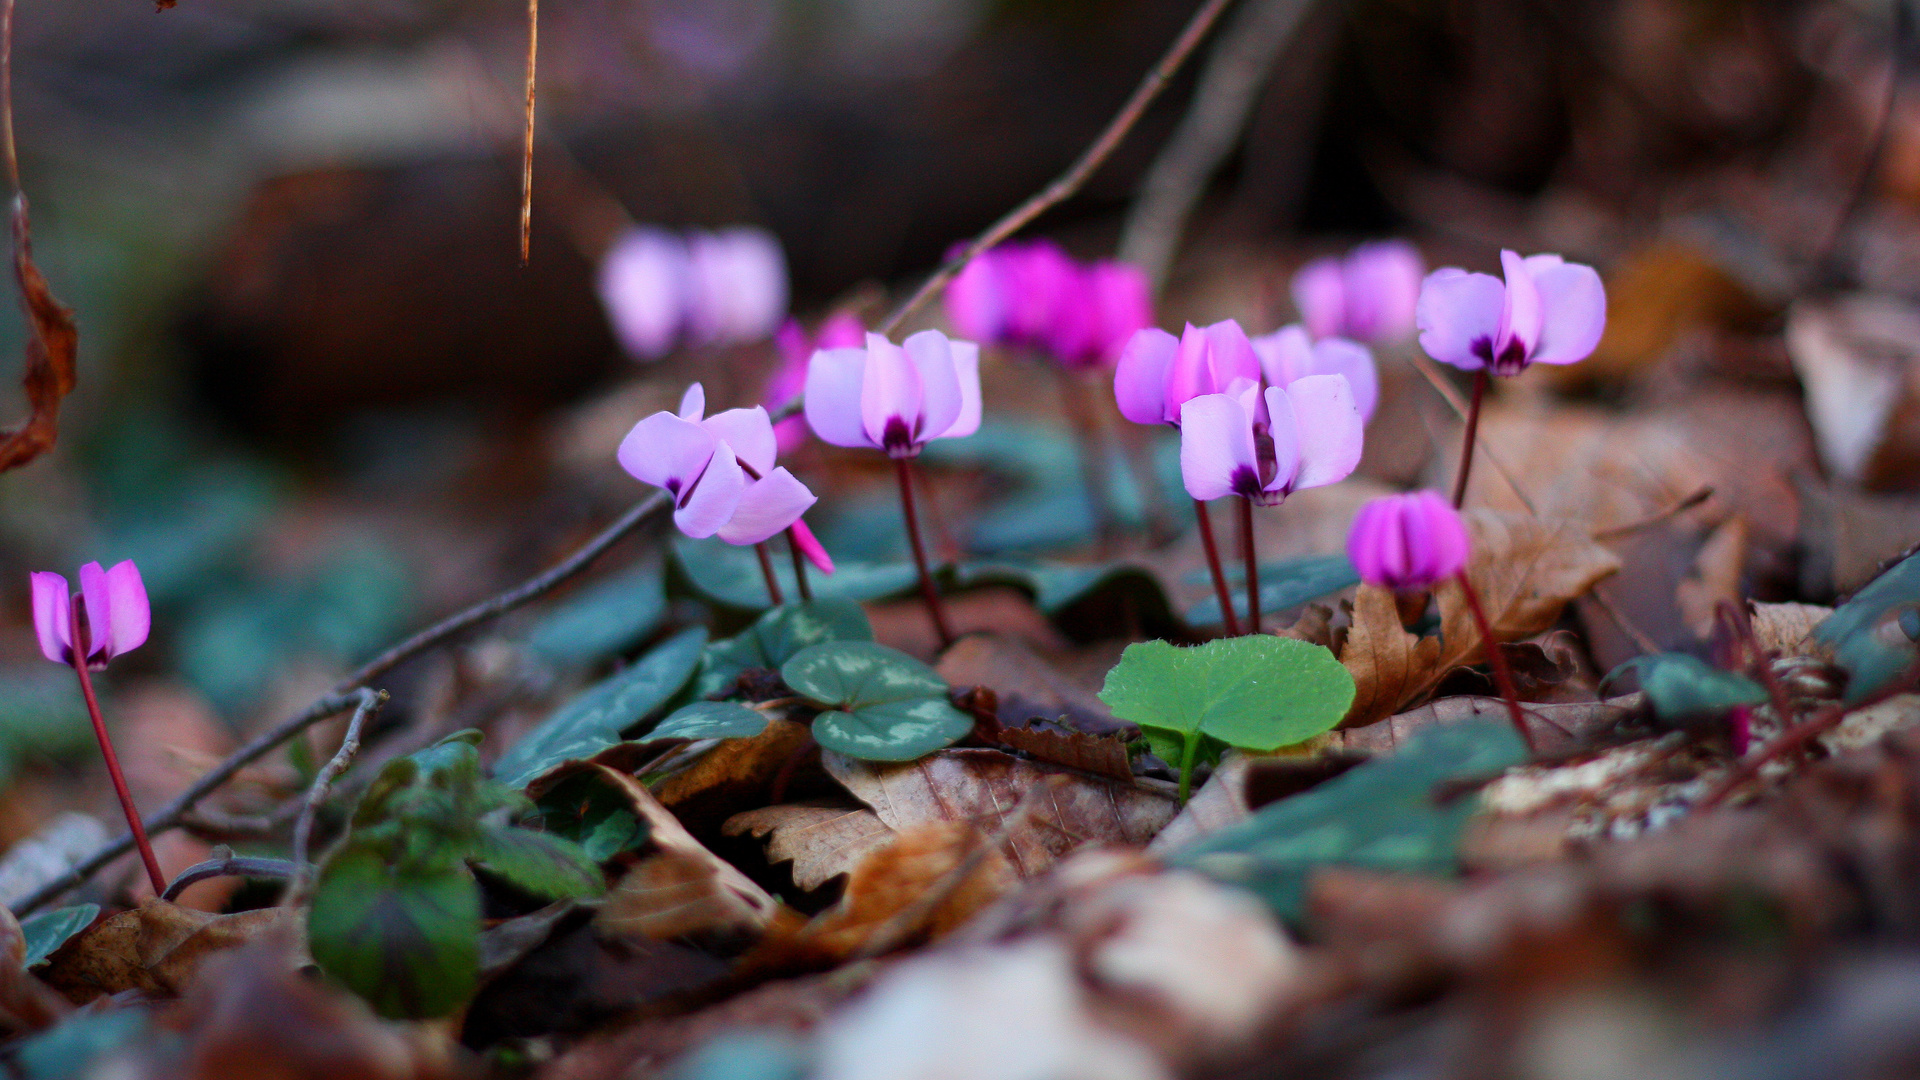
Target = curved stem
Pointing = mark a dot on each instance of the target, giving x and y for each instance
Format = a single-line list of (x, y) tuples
[(154, 876), (799, 568), (903, 469), (1502, 677), (1227, 616), (766, 568), (1253, 566), (1466, 447)]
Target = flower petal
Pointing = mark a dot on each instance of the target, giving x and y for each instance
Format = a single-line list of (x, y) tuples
[(1330, 430), (834, 381), (693, 403), (966, 371), (1573, 310), (1284, 431), (1140, 378), (976, 299), (749, 433), (890, 394), (1382, 289), (642, 284), (1216, 444), (52, 615), (667, 452), (1319, 292), (767, 506), (1123, 304), (940, 399), (1230, 354), (738, 285), (98, 599), (1285, 355), (715, 496), (1521, 319), (1338, 356), (1459, 316), (131, 618), (1377, 546), (1190, 375), (802, 538)]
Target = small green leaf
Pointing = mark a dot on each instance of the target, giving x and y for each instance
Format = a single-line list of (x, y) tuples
[(1284, 585), (732, 576), (893, 730), (854, 674), (712, 720), (594, 720), (586, 809), (1381, 815), (776, 636), (406, 939), (617, 832), (549, 866), (1873, 634), (70, 1049), (605, 620), (1682, 687), (49, 930)]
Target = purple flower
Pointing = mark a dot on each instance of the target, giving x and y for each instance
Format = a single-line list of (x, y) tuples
[(1548, 311), (841, 330), (1288, 354), (1265, 445), (114, 604), (895, 398), (737, 286), (1408, 542), (1122, 305), (643, 285), (1157, 374), (1033, 296), (1368, 296), (719, 470)]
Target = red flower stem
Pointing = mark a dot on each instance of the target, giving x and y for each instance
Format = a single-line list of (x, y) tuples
[(903, 469), (1213, 563), (139, 829), (1473, 430), (766, 569), (1253, 566), (799, 568), (1502, 677)]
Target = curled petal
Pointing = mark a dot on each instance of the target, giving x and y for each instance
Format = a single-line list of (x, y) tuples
[(768, 506), (98, 598), (802, 538), (667, 452), (1407, 542), (693, 403), (1123, 305), (1140, 378), (940, 397), (1377, 546), (966, 371), (842, 330), (890, 397), (1284, 432), (715, 495), (52, 615), (1230, 354), (1216, 446), (1330, 430), (834, 381), (1573, 309), (1520, 322), (1459, 315), (1319, 292), (749, 433), (1190, 375)]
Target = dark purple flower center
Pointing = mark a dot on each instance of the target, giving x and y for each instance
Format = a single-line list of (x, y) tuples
[(897, 438), (1511, 361)]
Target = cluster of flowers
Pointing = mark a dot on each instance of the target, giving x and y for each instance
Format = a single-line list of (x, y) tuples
[(662, 289), (1032, 295)]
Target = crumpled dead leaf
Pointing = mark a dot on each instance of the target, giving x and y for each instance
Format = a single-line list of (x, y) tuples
[(1858, 358), (52, 347), (1787, 629), (735, 773), (1389, 665), (983, 786), (26, 1003), (822, 842), (155, 948)]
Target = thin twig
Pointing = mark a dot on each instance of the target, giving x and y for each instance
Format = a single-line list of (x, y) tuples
[(1640, 638), (370, 703), (1079, 172), (6, 94), (226, 864), (1619, 532), (526, 161)]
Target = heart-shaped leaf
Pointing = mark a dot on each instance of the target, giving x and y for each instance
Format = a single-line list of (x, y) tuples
[(49, 930), (712, 720), (893, 730), (594, 720), (406, 938), (1683, 687), (1873, 634), (882, 705), (548, 866), (1256, 693), (776, 636), (605, 620), (1284, 585), (731, 575)]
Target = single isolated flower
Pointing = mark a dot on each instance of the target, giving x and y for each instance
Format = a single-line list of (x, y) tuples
[(1547, 311), (643, 285), (1265, 445), (719, 470), (736, 286), (1289, 354), (1408, 543), (1369, 295), (114, 603), (895, 398), (841, 330), (1158, 374)]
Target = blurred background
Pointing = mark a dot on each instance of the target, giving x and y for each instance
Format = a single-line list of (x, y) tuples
[(320, 401)]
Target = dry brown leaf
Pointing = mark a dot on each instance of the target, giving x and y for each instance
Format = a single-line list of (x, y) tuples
[(1556, 726), (26, 1003), (898, 876), (676, 894), (1654, 296), (1220, 802), (736, 773), (822, 842), (52, 347), (1717, 571), (1858, 358), (1102, 755), (982, 786), (155, 948), (1787, 629), (1586, 465), (1389, 666), (1021, 678), (1847, 536)]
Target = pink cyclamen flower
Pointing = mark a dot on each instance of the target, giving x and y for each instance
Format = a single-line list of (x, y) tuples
[(1408, 542), (1024, 294), (719, 470), (643, 284), (1265, 445), (841, 330), (1548, 311), (1121, 302), (1159, 374), (1369, 295), (895, 398), (115, 605), (736, 286), (1288, 355)]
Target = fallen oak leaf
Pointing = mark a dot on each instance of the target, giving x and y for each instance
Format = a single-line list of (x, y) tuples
[(52, 346), (822, 842), (155, 948), (1389, 665)]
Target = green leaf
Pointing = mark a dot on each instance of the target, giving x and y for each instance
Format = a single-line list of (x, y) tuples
[(594, 720), (1873, 634), (49, 930), (70, 1049), (608, 619), (1380, 815), (1682, 687), (712, 720), (587, 810), (407, 939), (776, 636), (855, 674), (549, 866), (731, 575), (1258, 693), (892, 731), (1283, 585)]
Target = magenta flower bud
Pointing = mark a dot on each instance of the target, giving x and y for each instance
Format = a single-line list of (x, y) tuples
[(1547, 311), (895, 398), (737, 286), (1158, 374), (643, 285), (1288, 355), (719, 469), (1408, 543), (1368, 296), (1265, 445), (117, 615)]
